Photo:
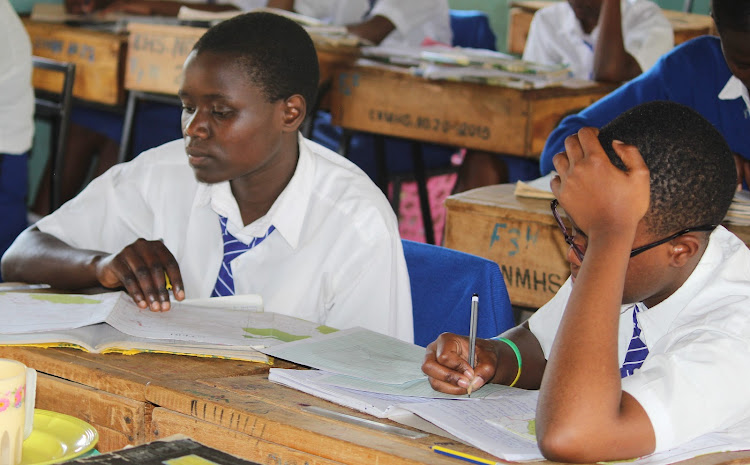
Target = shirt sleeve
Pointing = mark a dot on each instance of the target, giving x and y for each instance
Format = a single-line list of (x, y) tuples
[(544, 322), (698, 383), (537, 48), (430, 16), (647, 33), (651, 85)]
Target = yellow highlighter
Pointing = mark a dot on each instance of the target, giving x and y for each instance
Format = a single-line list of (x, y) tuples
[(169, 284)]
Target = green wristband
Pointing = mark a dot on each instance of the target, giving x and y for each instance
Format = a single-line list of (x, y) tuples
[(514, 347)]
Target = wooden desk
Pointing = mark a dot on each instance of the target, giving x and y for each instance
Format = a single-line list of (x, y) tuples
[(476, 116), (99, 58), (685, 25), (519, 234), (156, 54), (224, 404)]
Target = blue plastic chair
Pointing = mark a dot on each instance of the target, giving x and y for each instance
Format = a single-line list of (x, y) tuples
[(442, 283), (471, 28)]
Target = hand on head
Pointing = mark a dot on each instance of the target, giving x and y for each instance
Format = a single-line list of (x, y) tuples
[(593, 191), (447, 366), (141, 268)]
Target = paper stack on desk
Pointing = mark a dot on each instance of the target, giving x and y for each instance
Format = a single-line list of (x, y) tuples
[(470, 64), (227, 327), (377, 374)]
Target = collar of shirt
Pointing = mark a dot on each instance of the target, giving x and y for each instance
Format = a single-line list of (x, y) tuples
[(286, 214), (735, 89), (660, 318)]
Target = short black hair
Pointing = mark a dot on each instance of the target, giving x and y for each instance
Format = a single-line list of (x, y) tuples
[(276, 53), (731, 15), (692, 169)]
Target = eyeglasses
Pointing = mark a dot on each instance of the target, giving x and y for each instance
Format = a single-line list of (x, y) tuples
[(580, 251)]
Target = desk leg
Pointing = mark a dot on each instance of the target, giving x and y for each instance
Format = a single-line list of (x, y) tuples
[(127, 129)]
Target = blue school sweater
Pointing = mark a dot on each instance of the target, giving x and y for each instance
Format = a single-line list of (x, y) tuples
[(693, 74)]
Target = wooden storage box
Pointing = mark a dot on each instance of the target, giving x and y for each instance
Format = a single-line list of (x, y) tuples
[(99, 58)]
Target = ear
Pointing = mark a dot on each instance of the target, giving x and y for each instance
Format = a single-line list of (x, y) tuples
[(684, 248), (294, 110)]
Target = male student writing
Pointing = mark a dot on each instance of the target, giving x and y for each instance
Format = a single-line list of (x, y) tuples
[(709, 74), (647, 345), (243, 204)]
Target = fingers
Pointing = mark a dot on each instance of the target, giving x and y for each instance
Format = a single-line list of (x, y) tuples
[(446, 366), (630, 156), (142, 268)]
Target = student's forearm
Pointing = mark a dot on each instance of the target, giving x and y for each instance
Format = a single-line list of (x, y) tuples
[(374, 29), (612, 62), (532, 359), (583, 415), (36, 257)]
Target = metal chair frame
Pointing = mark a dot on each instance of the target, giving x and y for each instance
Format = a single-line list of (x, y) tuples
[(56, 107)]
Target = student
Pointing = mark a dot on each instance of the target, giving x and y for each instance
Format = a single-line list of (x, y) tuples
[(708, 74), (656, 180), (601, 40), (324, 240), (16, 123)]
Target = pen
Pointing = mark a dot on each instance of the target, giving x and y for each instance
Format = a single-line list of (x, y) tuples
[(462, 456), (472, 334)]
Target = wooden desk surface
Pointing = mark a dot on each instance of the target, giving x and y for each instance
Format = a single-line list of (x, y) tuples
[(521, 235), (477, 116), (99, 58), (228, 405), (685, 25)]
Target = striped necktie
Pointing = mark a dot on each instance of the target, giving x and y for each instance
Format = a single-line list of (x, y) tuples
[(233, 248), (637, 350)]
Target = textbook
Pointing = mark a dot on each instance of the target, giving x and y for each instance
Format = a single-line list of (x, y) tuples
[(228, 327)]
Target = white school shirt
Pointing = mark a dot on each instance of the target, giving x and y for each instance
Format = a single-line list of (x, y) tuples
[(695, 377), (556, 37), (16, 92), (415, 20), (335, 257)]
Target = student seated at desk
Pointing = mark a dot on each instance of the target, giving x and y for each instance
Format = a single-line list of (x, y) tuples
[(600, 40), (708, 74), (242, 204), (647, 345), (16, 124)]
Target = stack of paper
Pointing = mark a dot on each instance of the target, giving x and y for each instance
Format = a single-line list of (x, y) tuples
[(739, 211), (536, 188), (468, 64)]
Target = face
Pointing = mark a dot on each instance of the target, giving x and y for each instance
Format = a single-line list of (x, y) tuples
[(649, 278), (736, 48), (587, 12), (231, 131)]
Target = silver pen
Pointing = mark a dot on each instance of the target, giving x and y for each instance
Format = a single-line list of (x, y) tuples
[(472, 335)]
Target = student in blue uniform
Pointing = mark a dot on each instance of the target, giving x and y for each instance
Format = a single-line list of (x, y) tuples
[(709, 74)]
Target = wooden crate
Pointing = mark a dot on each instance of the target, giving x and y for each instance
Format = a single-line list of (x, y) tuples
[(99, 58), (520, 235), (156, 53), (493, 118)]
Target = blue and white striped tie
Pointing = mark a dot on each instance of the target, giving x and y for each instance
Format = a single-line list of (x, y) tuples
[(637, 350), (233, 248)]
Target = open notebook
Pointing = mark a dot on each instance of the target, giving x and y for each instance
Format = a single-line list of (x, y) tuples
[(226, 327)]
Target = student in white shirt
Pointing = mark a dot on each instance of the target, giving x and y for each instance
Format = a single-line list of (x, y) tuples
[(647, 345), (16, 123), (328, 248), (602, 40)]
